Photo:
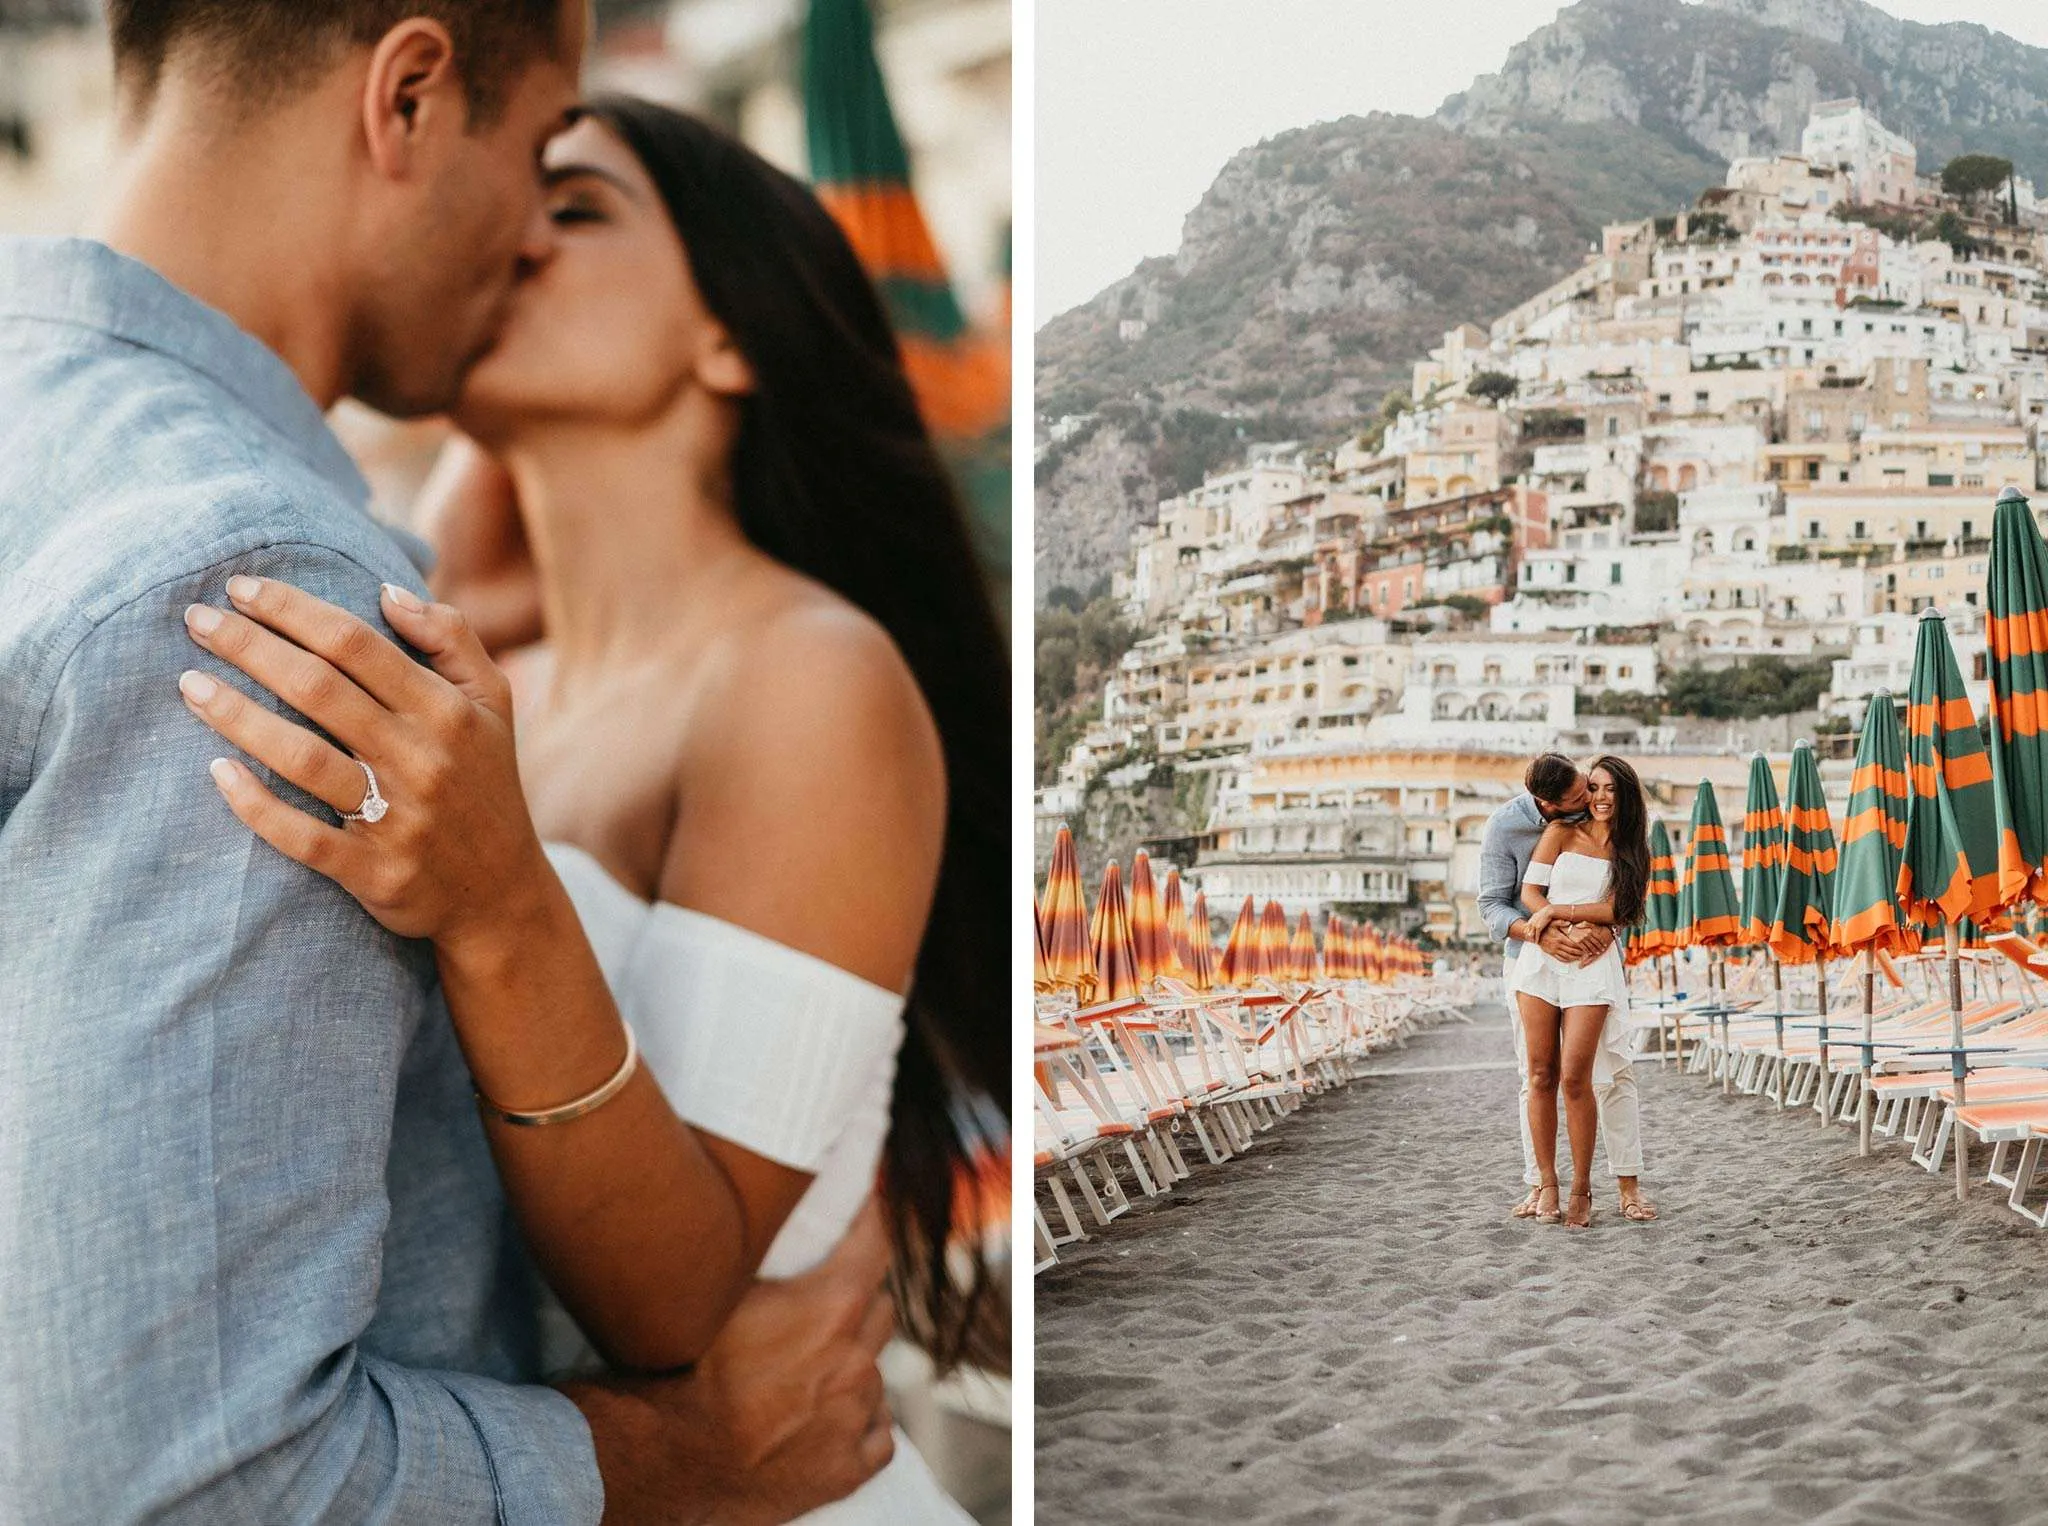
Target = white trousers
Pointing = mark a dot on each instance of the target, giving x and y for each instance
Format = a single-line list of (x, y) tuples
[(1621, 1118)]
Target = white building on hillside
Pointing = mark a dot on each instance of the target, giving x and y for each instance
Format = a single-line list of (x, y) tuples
[(1880, 163)]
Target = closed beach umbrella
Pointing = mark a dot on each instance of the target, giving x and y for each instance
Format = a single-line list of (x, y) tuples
[(1241, 949), (1948, 865), (1949, 860), (1708, 889), (1274, 955), (1173, 911), (2017, 627), (1868, 918), (1041, 968), (1110, 935), (1203, 968), (1867, 910), (1151, 949), (1801, 924), (1659, 932), (1302, 951), (1069, 952), (1763, 852)]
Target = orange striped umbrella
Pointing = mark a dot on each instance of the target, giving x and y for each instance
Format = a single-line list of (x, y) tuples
[(1274, 956), (1706, 896), (2017, 625), (1763, 852), (1202, 969), (1302, 952), (1110, 935), (1369, 966), (1801, 928), (1337, 948), (1948, 866), (1069, 952), (1150, 946), (1041, 968), (1867, 911), (1241, 965), (1173, 912)]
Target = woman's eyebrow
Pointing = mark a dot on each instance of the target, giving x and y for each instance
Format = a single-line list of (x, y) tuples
[(557, 174)]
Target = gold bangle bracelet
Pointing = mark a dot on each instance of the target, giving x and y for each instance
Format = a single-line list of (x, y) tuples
[(570, 1110)]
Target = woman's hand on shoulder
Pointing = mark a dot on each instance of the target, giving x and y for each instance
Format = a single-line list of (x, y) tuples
[(813, 794), (455, 849)]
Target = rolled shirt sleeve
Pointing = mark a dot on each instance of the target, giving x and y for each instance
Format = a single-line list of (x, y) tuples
[(1500, 889), (200, 1051)]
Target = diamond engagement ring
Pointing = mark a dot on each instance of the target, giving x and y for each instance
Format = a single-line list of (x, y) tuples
[(374, 805)]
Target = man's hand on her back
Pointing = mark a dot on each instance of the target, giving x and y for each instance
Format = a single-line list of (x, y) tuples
[(784, 1414)]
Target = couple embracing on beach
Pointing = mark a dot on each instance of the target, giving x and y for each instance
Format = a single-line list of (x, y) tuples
[(1563, 867)]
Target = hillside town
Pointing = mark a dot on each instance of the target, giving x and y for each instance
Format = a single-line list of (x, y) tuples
[(1770, 426)]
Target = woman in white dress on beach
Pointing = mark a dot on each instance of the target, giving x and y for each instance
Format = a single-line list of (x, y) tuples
[(756, 813), (1595, 871)]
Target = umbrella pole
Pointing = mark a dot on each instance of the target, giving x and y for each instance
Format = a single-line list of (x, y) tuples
[(1955, 1060), (1820, 976), (1778, 1017), (1657, 970), (1863, 1101)]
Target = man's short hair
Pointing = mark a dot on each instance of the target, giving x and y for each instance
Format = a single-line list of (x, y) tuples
[(266, 49), (1551, 777)]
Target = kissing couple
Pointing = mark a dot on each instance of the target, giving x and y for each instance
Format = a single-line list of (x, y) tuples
[(402, 1120), (1564, 867)]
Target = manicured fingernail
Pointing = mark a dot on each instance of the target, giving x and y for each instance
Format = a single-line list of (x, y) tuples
[(197, 687), (242, 589), (404, 598), (203, 619), (223, 774)]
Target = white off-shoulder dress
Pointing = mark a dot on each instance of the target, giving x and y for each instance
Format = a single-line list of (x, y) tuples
[(1577, 879), (781, 1053)]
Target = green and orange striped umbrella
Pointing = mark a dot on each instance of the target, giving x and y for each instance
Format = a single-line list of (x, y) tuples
[(1110, 936), (1948, 867), (1274, 953), (1301, 953), (861, 172), (1763, 852), (1867, 910), (1241, 963), (1658, 933), (2016, 627), (1173, 912), (1802, 923), (1069, 952), (1151, 948), (1709, 917), (1202, 967)]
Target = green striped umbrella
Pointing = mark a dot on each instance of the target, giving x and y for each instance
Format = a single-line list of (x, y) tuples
[(1708, 914), (1659, 934), (862, 174), (2017, 628), (1948, 865), (1868, 915), (1763, 852), (1802, 923)]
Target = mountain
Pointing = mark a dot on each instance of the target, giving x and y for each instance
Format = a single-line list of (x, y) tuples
[(1323, 262)]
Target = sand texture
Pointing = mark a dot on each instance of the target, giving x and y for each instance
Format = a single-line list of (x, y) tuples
[(1345, 1325)]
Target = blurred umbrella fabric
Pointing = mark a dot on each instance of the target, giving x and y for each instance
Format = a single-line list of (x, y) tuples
[(861, 171)]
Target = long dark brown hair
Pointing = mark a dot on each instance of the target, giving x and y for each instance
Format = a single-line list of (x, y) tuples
[(1628, 839), (836, 476)]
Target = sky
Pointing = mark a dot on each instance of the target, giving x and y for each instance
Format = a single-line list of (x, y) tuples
[(1140, 102)]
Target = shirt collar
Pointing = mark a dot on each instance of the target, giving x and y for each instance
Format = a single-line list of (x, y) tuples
[(84, 283)]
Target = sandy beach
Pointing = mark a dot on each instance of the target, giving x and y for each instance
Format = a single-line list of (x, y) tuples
[(1346, 1326)]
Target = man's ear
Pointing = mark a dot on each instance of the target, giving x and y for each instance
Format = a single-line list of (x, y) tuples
[(410, 91)]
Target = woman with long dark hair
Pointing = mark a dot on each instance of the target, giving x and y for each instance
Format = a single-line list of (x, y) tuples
[(755, 814), (1595, 870)]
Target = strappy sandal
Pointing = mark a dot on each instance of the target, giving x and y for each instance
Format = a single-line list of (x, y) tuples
[(1587, 1199), (1526, 1209), (1638, 1210), (1548, 1215)]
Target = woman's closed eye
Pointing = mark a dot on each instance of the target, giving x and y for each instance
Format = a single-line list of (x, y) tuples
[(576, 211)]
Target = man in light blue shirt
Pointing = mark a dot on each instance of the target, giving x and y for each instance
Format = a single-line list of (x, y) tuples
[(255, 1262), (1554, 790)]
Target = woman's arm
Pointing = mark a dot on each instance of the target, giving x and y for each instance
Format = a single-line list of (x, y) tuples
[(646, 1228), (1536, 879)]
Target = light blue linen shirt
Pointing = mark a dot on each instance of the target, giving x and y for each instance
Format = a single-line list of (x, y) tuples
[(255, 1263), (1512, 833)]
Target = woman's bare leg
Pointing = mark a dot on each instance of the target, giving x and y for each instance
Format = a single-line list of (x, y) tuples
[(1540, 1033), (1581, 1041)]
